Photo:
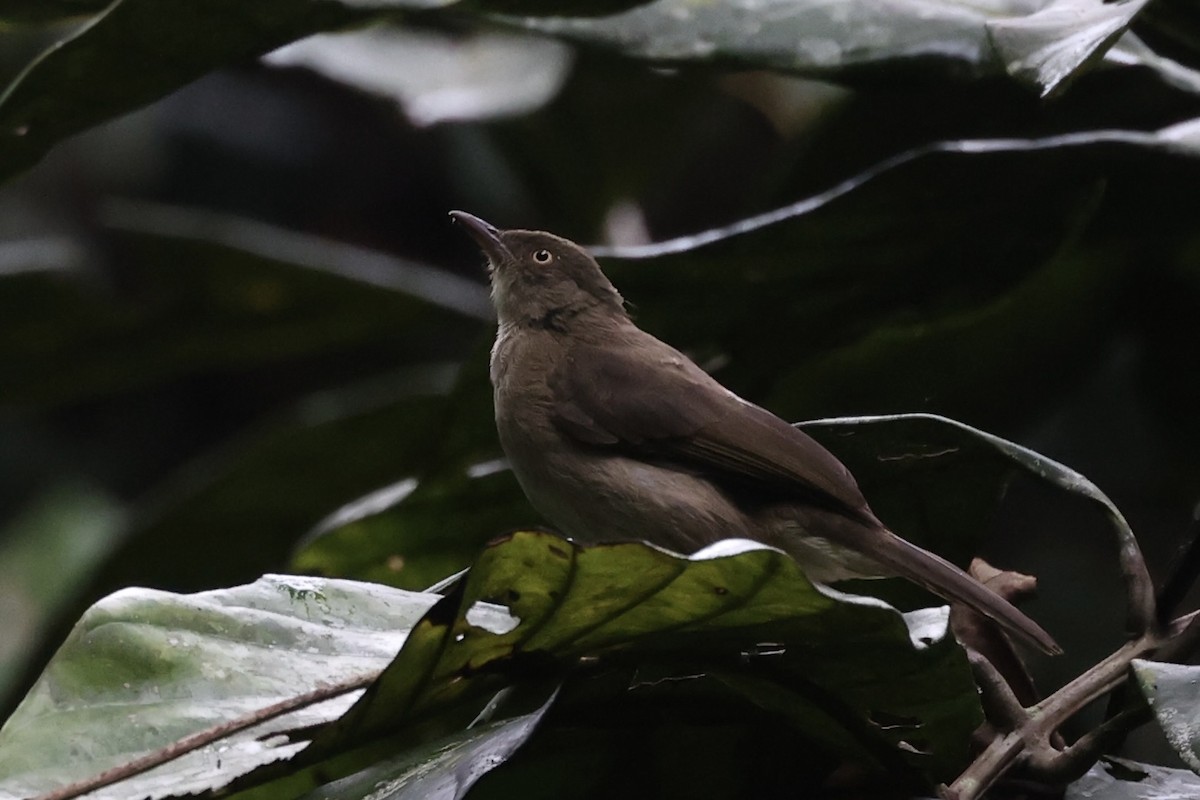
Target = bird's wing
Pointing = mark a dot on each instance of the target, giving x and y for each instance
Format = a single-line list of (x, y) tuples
[(661, 405)]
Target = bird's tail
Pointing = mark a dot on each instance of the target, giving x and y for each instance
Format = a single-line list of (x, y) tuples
[(944, 579)]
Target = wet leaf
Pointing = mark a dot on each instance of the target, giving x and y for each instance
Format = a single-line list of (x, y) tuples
[(1172, 692), (156, 666), (1121, 779), (143, 668)]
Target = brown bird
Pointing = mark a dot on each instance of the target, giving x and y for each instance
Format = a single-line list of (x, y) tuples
[(616, 435)]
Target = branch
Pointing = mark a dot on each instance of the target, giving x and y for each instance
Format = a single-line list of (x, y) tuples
[(1030, 736), (195, 741)]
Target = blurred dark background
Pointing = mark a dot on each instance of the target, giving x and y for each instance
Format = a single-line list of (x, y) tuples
[(229, 314)]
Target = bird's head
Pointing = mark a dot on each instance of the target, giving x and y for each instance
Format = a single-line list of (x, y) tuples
[(539, 279)]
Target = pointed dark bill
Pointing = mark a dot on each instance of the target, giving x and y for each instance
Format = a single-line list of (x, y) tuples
[(485, 235)]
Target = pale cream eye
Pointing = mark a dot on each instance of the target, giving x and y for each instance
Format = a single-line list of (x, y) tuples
[(543, 257)]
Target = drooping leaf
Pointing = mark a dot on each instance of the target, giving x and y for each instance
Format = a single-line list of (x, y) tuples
[(102, 70), (445, 769), (867, 307), (159, 666), (632, 601), (943, 479), (1051, 45), (1040, 44), (143, 668), (414, 537), (134, 52)]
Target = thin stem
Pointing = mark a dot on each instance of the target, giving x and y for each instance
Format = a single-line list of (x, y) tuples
[(195, 741), (996, 691), (1033, 732), (1062, 766)]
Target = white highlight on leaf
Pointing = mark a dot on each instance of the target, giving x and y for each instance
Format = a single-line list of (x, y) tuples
[(369, 505), (485, 468), (435, 77), (728, 547), (492, 618)]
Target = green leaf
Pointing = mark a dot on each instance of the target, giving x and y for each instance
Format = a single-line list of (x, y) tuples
[(629, 602), (445, 768), (938, 481), (459, 495), (1040, 46), (1170, 689), (143, 668), (46, 554), (136, 51), (412, 533), (845, 302)]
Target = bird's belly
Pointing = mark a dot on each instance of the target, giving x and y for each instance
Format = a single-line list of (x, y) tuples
[(593, 496), (613, 498), (823, 560)]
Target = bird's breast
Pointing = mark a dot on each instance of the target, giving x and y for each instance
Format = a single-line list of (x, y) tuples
[(593, 496)]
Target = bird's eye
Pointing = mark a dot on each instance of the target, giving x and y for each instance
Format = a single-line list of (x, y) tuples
[(542, 256)]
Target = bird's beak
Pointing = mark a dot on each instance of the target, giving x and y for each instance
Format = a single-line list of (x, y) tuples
[(485, 235)]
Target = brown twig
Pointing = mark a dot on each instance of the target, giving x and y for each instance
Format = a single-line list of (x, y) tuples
[(195, 741), (1003, 705), (1029, 737), (1063, 766), (1032, 735)]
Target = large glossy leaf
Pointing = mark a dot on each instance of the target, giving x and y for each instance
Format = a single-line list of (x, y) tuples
[(1040, 43), (1044, 44), (845, 302), (632, 601), (934, 480), (943, 479), (134, 52), (1170, 689), (1051, 45), (143, 668), (415, 532), (444, 769)]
